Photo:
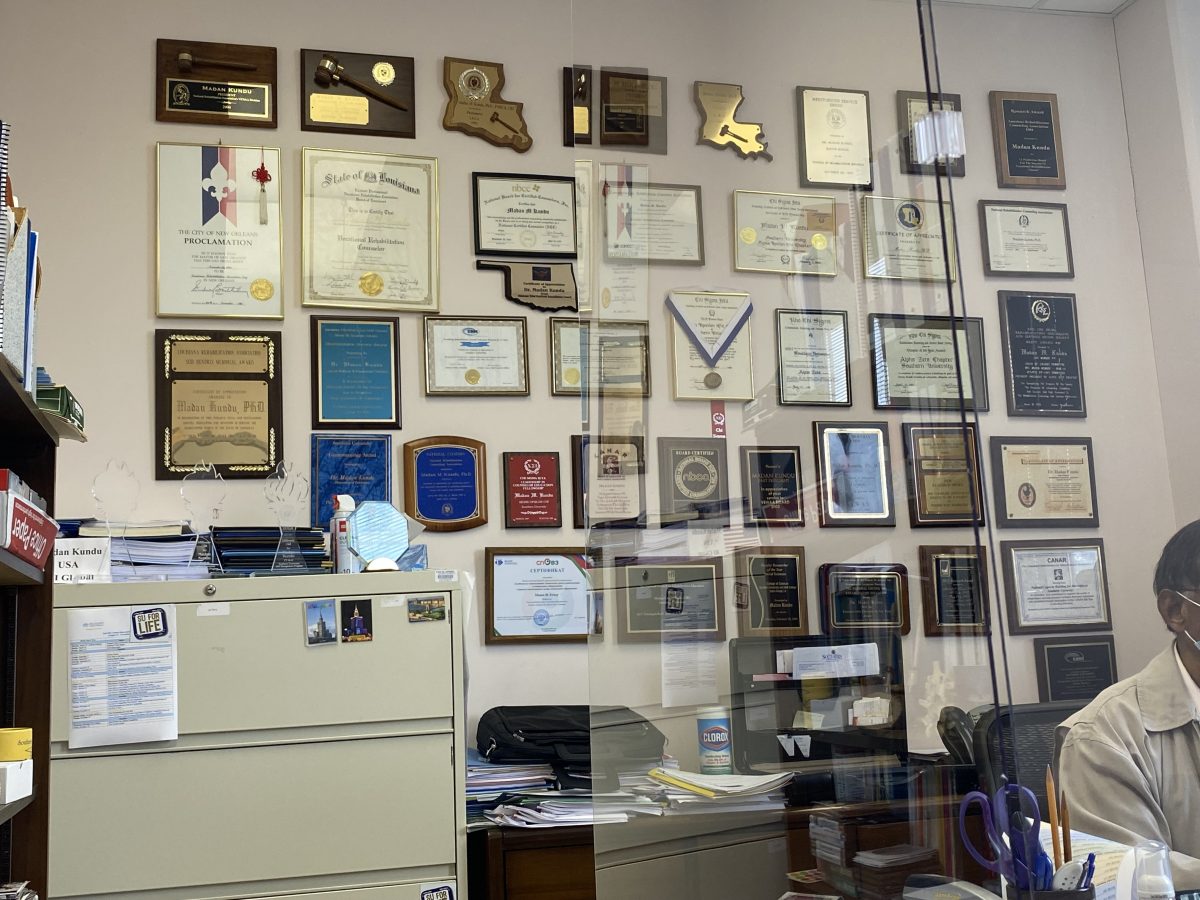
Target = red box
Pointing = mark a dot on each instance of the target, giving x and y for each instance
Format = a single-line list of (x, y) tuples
[(27, 532)]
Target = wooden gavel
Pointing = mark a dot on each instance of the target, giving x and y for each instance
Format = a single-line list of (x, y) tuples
[(330, 72), (187, 62)]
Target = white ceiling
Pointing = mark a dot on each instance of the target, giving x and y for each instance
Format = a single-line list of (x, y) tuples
[(1107, 7)]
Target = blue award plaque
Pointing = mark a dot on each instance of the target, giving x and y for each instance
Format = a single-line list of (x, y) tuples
[(358, 465), (1043, 368), (1028, 140), (445, 482), (355, 372)]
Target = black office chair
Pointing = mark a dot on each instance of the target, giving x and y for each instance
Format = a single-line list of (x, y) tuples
[(1023, 736), (955, 729)]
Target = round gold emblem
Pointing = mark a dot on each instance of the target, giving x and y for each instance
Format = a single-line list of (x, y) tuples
[(370, 283), (748, 235), (383, 72), (473, 84), (820, 242), (712, 380), (471, 376), (262, 289), (606, 298), (571, 376)]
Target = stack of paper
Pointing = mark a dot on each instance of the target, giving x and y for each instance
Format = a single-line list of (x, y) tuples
[(692, 792), (882, 873), (556, 810)]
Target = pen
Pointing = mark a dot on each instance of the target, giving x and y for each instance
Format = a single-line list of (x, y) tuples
[(1052, 803), (1089, 871)]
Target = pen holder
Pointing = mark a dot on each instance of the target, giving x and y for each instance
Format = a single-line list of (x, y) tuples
[(1013, 893)]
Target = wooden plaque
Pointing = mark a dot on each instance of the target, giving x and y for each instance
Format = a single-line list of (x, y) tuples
[(445, 482), (357, 93), (215, 84)]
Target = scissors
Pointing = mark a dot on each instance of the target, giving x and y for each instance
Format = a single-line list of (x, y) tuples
[(1017, 853)]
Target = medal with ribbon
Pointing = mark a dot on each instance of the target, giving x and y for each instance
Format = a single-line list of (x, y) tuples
[(712, 321)]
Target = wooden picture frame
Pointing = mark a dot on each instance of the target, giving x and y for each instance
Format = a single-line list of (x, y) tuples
[(552, 587)]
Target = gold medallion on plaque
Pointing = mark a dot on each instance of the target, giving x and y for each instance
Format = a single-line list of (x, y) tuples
[(571, 375), (471, 376), (383, 72), (262, 289), (371, 283), (712, 380), (476, 107), (748, 235)]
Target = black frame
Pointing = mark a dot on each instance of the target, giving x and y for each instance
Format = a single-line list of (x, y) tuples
[(746, 454), (976, 360), (480, 250), (824, 583), (845, 316), (314, 337), (1008, 558), (909, 166), (1005, 297), (1041, 648), (998, 443), (987, 250), (929, 554), (580, 516)]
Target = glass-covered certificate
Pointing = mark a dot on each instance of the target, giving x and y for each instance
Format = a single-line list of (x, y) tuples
[(902, 239), (475, 356), (944, 482), (370, 236), (814, 357), (536, 595), (524, 215), (608, 475), (928, 362), (710, 345), (1056, 586), (771, 592), (653, 222), (863, 597), (1026, 239), (854, 473), (356, 464), (835, 137), (219, 236), (664, 597), (789, 233), (1044, 482)]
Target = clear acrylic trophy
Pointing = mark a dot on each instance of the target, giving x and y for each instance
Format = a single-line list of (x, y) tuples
[(287, 494), (203, 492)]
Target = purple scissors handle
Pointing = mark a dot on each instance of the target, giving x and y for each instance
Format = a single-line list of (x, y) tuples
[(994, 825)]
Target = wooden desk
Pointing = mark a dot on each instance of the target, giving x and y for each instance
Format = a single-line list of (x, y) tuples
[(529, 863)]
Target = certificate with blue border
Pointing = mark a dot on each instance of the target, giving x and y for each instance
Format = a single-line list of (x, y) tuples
[(356, 464), (355, 372)]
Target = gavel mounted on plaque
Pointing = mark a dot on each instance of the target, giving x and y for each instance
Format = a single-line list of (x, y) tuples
[(187, 62), (330, 72)]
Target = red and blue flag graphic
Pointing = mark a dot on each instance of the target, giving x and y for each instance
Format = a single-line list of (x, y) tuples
[(218, 184)]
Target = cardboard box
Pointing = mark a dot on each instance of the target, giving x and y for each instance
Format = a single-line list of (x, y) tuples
[(16, 780)]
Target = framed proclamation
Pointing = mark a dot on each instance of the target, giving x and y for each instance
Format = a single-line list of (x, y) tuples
[(220, 239), (524, 215), (771, 592), (905, 239), (858, 597), (813, 347), (791, 234), (608, 474), (670, 597), (1044, 482), (835, 138), (217, 401), (1026, 239), (445, 482), (944, 482), (854, 474), (1056, 586), (954, 591), (1074, 668), (369, 230), (928, 362), (772, 488), (1043, 366), (693, 481), (1028, 140), (355, 372), (536, 595)]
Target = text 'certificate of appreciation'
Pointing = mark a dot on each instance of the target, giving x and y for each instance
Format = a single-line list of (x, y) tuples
[(370, 230)]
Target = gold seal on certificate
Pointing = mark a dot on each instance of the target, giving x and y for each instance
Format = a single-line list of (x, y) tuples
[(262, 289), (787, 233), (1044, 482), (835, 138), (711, 345), (371, 284), (902, 239)]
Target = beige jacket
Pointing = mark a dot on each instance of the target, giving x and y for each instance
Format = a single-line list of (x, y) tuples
[(1130, 765)]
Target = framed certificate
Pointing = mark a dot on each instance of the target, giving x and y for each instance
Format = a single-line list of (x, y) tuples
[(356, 464), (813, 347), (660, 223), (532, 496), (863, 597), (476, 356), (585, 183), (524, 215), (1043, 365), (220, 249), (854, 474), (1028, 140), (771, 592), (536, 595), (793, 234), (370, 230), (617, 360), (355, 372), (1026, 239), (1044, 482), (912, 106), (662, 598), (1056, 586), (711, 356), (835, 138), (771, 487), (954, 591), (905, 239), (445, 482), (1074, 668), (944, 482), (218, 400), (693, 481), (608, 477), (928, 362)]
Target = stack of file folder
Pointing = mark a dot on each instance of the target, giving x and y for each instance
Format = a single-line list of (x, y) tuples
[(252, 550), (489, 783), (556, 809), (693, 792)]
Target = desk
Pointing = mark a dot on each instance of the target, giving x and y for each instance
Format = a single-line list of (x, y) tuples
[(527, 863)]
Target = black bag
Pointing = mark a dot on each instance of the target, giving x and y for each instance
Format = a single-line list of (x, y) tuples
[(565, 734)]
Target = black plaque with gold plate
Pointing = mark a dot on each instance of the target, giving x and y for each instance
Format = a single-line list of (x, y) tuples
[(357, 93), (577, 105), (215, 84), (718, 103), (475, 106), (633, 110)]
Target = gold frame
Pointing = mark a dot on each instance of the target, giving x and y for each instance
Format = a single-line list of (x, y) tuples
[(736, 231), (519, 324)]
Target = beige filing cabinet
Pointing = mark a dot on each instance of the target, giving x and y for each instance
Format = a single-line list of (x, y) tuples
[(333, 771)]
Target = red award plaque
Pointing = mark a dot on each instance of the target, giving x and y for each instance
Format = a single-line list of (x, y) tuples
[(532, 498)]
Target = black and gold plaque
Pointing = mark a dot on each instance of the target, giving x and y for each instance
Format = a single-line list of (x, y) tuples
[(475, 106), (577, 105), (357, 93), (633, 110), (215, 84), (718, 103), (540, 285)]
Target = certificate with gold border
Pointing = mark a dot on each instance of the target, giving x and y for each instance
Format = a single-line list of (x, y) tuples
[(370, 230), (788, 233)]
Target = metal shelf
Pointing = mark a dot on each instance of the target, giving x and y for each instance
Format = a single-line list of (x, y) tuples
[(15, 571), (8, 810)]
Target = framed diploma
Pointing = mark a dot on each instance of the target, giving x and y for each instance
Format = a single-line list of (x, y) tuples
[(1074, 668), (944, 482), (1044, 482), (356, 464), (536, 595), (585, 183), (854, 474), (663, 598), (1026, 239), (835, 138), (1056, 586), (218, 400), (814, 357), (928, 362), (633, 111), (476, 356), (608, 475), (912, 106), (532, 496), (355, 372), (524, 215), (954, 591), (660, 223), (1028, 140), (710, 345), (1043, 366), (863, 597), (369, 230), (771, 592), (568, 356), (693, 481), (616, 361), (771, 487), (445, 482), (793, 234), (906, 239), (220, 249)]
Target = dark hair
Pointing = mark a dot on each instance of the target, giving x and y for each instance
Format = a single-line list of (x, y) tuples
[(1179, 566)]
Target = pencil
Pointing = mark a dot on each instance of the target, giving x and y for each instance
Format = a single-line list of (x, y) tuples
[(1065, 813), (1052, 803)]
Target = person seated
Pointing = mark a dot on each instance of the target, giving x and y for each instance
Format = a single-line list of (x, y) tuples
[(1130, 760)]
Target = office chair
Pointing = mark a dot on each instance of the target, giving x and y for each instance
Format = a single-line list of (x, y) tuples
[(1024, 736), (955, 729)]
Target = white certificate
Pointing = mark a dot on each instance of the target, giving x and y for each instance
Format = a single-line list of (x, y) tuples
[(718, 323), (583, 234), (1059, 585), (623, 289), (836, 139), (1047, 480), (788, 233), (525, 215), (654, 222), (1026, 239), (537, 595), (902, 238), (475, 356), (220, 242), (814, 357), (370, 230)]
